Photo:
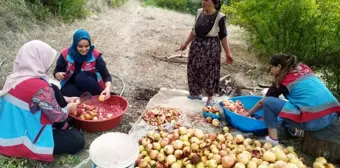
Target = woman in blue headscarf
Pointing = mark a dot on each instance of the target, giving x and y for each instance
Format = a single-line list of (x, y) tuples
[(81, 68)]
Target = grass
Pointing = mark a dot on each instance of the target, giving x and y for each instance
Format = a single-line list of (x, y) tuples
[(63, 160)]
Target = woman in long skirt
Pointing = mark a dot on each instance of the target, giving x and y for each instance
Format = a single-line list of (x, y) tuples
[(203, 69)]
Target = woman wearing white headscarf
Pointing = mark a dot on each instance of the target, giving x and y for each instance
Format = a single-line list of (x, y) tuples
[(28, 109)]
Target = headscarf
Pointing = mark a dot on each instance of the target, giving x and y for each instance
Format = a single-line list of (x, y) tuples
[(32, 61), (77, 36)]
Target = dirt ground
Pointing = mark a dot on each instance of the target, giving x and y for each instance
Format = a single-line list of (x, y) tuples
[(128, 37)]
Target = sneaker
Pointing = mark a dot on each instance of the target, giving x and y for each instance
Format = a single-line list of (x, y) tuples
[(272, 141), (195, 97)]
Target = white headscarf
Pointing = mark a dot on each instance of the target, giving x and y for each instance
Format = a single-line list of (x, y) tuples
[(33, 61)]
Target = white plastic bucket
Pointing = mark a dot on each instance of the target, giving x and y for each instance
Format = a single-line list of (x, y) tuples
[(114, 150)]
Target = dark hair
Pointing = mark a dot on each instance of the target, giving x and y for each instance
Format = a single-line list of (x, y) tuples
[(217, 4), (287, 62)]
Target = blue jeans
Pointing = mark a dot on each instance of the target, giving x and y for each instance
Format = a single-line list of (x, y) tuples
[(272, 107)]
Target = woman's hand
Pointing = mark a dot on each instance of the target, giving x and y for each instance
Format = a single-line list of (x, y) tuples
[(71, 99), (229, 58), (106, 93), (72, 107), (182, 47), (247, 114), (60, 75)]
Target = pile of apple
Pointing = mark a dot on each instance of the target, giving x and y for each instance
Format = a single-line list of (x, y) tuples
[(89, 112), (236, 107), (160, 115), (191, 148), (214, 110)]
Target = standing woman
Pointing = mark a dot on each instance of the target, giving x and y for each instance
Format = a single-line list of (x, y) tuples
[(81, 68), (203, 69)]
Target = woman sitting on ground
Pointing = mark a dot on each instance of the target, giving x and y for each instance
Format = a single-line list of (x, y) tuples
[(29, 109), (81, 68), (310, 106)]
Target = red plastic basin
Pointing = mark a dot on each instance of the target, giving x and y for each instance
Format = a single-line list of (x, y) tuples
[(103, 125)]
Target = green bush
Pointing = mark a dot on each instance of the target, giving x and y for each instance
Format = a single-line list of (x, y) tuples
[(115, 3), (187, 6), (67, 10), (308, 29)]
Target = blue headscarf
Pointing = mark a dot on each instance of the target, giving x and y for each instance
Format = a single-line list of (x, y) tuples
[(77, 36)]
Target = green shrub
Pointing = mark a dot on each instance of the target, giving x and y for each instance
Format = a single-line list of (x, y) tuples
[(115, 3), (67, 10), (308, 29)]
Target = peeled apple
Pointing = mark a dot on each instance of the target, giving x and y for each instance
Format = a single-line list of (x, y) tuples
[(225, 129), (269, 156), (199, 134), (153, 154), (280, 155), (189, 166), (160, 157), (142, 163), (280, 164), (290, 149), (183, 130), (329, 165), (271, 165), (243, 158), (217, 157), (212, 163), (168, 149), (239, 165), (257, 143), (177, 145), (101, 98), (291, 165), (175, 165), (321, 160), (215, 122), (251, 164), (220, 138), (228, 161), (263, 166), (318, 165), (200, 165), (264, 163), (170, 160), (267, 146), (239, 138)]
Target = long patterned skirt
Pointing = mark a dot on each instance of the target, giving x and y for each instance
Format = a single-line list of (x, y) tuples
[(203, 69)]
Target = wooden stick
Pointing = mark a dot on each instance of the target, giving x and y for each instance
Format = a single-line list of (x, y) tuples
[(159, 56), (177, 56), (3, 61), (224, 77), (263, 86), (250, 88)]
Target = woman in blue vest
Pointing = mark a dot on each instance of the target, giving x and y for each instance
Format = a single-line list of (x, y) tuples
[(29, 109), (81, 68), (310, 106)]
